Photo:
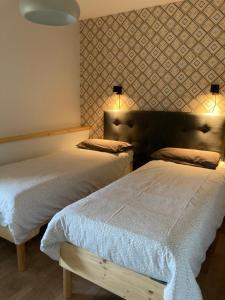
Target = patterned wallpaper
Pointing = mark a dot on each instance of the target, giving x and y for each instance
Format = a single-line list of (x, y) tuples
[(165, 57)]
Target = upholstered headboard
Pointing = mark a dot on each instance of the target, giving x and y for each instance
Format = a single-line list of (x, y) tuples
[(152, 130)]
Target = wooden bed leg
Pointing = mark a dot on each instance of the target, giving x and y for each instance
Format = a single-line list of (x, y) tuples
[(21, 257), (67, 284)]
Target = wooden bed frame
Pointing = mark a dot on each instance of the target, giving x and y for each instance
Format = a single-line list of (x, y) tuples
[(148, 131), (4, 231), (21, 248), (116, 279)]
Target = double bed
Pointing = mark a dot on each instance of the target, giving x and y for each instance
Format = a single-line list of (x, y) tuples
[(145, 236), (32, 191)]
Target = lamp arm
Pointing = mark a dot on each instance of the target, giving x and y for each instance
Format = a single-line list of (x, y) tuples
[(215, 104)]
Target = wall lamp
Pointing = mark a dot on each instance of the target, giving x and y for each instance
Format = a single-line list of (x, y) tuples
[(118, 90), (215, 90)]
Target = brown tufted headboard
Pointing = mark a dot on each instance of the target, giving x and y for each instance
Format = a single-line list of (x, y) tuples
[(152, 130)]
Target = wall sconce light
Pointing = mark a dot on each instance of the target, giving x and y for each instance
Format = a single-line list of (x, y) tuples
[(118, 89), (215, 90)]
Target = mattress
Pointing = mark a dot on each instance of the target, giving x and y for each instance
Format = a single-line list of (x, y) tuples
[(158, 221), (32, 191)]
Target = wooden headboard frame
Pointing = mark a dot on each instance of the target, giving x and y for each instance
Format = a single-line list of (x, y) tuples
[(151, 130)]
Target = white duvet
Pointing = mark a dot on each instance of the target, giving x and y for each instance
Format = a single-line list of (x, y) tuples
[(32, 191), (158, 221)]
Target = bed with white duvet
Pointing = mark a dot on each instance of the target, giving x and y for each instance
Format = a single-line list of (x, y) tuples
[(158, 221), (32, 191)]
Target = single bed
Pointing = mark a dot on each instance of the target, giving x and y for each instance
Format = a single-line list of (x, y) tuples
[(158, 221), (145, 236), (32, 191)]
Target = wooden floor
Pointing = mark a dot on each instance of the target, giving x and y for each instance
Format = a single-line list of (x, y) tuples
[(43, 279)]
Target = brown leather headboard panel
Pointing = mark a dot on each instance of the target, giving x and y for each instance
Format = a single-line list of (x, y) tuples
[(149, 131)]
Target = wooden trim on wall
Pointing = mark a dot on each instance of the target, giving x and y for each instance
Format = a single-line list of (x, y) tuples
[(40, 134)]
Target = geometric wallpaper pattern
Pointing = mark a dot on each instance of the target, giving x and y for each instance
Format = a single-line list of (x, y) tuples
[(165, 57)]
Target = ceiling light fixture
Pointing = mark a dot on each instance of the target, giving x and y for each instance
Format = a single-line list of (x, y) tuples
[(50, 12)]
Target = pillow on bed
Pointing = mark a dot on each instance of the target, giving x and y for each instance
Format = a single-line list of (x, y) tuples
[(105, 145), (199, 158)]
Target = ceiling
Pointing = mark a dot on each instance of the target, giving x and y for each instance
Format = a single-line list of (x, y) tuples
[(100, 8)]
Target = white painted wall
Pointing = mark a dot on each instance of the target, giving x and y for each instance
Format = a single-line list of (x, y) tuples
[(100, 8), (21, 150), (39, 74)]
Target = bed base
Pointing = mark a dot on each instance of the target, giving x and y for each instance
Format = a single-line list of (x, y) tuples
[(21, 248), (118, 280)]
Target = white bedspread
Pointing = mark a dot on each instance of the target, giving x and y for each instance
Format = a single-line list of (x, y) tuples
[(32, 191), (158, 221)]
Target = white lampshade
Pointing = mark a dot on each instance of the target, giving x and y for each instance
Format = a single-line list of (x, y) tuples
[(50, 12)]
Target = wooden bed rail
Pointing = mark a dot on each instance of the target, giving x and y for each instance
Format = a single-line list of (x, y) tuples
[(114, 278), (40, 134)]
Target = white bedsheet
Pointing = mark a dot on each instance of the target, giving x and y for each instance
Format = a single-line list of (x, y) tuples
[(158, 221), (32, 191)]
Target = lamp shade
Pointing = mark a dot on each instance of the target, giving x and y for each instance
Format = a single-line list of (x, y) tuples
[(215, 89), (50, 12)]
